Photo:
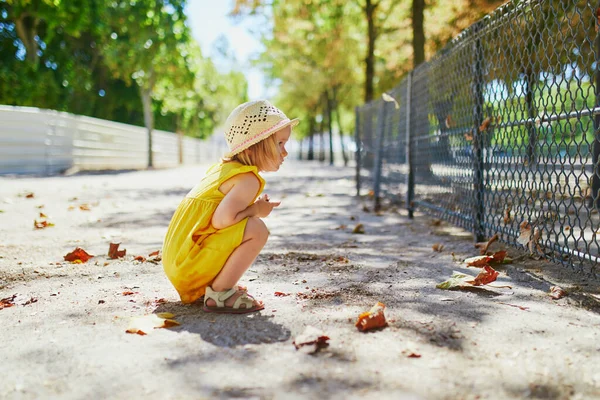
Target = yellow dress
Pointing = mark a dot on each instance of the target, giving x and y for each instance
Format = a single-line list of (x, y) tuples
[(194, 252)]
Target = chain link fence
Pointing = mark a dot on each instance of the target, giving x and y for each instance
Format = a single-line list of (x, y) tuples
[(499, 132)]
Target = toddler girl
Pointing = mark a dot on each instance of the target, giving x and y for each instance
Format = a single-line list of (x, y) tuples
[(217, 230)]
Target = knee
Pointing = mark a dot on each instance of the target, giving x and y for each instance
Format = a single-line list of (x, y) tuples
[(257, 230)]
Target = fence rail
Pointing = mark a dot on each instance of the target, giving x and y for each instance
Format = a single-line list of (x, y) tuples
[(499, 132), (36, 141)]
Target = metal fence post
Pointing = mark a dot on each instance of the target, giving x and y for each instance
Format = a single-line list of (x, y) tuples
[(478, 178), (410, 177), (379, 156), (595, 195), (358, 147)]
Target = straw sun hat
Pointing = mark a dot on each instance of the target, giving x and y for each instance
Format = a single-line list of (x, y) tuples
[(251, 122)]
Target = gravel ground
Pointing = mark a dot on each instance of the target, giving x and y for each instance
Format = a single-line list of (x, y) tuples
[(65, 336)]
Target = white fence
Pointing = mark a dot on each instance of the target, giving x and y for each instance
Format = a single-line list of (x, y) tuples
[(36, 141)]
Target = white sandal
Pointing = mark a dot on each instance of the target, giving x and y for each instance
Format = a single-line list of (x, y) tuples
[(220, 297)]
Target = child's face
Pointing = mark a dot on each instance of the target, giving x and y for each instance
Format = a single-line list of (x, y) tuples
[(281, 138)]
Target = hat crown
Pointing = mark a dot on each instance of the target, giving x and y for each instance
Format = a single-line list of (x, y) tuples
[(249, 121)]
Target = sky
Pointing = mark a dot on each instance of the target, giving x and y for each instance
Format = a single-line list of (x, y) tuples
[(208, 21)]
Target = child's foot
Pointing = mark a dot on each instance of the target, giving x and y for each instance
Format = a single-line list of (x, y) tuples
[(231, 301)]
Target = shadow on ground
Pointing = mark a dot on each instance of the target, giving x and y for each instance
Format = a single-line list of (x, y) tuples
[(226, 330)]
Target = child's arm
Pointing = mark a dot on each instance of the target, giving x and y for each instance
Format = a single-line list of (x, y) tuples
[(234, 206)]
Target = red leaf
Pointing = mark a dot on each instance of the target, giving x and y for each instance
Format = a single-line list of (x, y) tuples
[(557, 292), (487, 275), (139, 258), (154, 253), (498, 257), (374, 318), (7, 302), (78, 254), (114, 252), (281, 294)]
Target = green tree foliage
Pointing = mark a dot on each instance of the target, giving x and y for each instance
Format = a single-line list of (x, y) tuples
[(101, 58)]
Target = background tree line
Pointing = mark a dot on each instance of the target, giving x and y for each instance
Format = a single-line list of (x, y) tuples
[(134, 61), (131, 61)]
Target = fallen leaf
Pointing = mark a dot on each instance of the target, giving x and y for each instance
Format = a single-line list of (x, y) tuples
[(341, 227), (507, 217), (139, 258), (42, 224), (147, 323), (84, 207), (114, 252), (498, 257), (557, 292), (129, 293), (449, 122), (281, 294), (485, 124), (42, 215), (78, 255), (7, 301), (374, 318), (437, 247), (487, 275), (29, 195), (359, 228), (154, 257), (413, 355), (529, 236), (478, 261), (311, 340), (483, 246), (457, 281)]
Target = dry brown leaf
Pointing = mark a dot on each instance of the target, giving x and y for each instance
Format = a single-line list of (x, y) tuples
[(78, 255), (374, 318), (485, 124), (483, 246), (7, 302), (145, 324), (359, 228), (507, 217), (84, 207), (478, 261), (557, 292), (311, 340), (42, 224), (437, 247), (529, 236), (114, 252), (154, 253), (139, 258), (449, 122)]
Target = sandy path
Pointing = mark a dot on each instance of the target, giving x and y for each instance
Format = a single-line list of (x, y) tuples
[(71, 343)]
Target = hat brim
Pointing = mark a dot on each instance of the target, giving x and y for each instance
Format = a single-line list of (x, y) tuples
[(261, 136)]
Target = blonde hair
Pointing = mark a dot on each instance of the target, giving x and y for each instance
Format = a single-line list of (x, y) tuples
[(260, 154)]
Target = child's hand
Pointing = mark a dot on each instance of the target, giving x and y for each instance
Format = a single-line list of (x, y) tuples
[(264, 206)]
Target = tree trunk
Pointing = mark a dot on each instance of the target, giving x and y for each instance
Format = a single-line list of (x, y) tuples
[(370, 9), (418, 42), (311, 140), (26, 26), (336, 110), (329, 107), (148, 120)]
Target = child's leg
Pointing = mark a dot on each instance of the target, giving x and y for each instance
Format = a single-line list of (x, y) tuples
[(255, 238)]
